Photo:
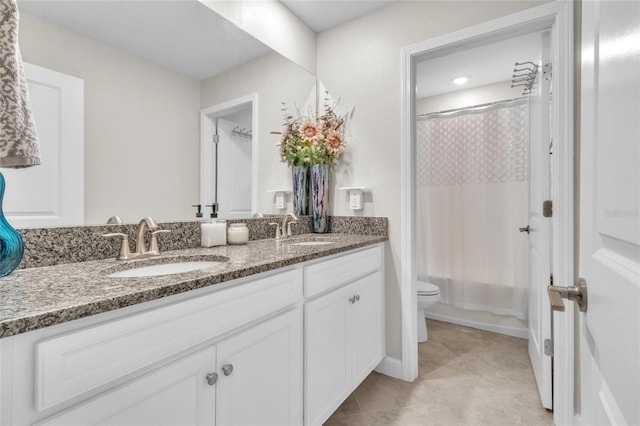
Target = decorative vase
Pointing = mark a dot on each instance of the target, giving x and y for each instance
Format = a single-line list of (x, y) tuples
[(320, 198), (300, 190), (11, 246)]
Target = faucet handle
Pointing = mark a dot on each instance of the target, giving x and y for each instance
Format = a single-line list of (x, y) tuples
[(153, 245), (125, 253), (278, 231)]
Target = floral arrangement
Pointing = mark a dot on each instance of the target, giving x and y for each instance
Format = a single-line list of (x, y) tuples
[(312, 139)]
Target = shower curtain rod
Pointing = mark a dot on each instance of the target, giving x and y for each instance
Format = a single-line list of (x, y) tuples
[(471, 107)]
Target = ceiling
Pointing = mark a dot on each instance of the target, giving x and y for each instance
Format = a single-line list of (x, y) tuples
[(160, 30), (215, 45), (182, 35), (483, 65), (320, 15)]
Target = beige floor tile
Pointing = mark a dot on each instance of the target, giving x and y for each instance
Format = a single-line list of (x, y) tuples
[(466, 377), (349, 420), (349, 406), (431, 415), (441, 368), (382, 393), (433, 349), (504, 410)]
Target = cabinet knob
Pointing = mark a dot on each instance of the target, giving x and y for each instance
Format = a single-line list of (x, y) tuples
[(352, 299), (357, 297), (212, 378), (227, 369)]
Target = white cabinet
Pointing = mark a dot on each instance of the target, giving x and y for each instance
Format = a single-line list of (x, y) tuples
[(344, 339), (176, 394), (260, 374), (283, 348), (255, 368)]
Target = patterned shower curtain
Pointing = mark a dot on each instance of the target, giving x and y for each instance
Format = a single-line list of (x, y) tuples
[(471, 193)]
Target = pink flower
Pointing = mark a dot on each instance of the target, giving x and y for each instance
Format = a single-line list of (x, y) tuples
[(310, 131), (333, 142)]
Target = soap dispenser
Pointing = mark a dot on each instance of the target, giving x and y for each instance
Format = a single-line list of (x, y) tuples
[(213, 232)]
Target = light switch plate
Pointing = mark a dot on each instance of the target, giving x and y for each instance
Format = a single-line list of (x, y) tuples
[(355, 199), (280, 200)]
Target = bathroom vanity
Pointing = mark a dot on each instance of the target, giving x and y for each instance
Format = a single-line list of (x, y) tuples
[(278, 333)]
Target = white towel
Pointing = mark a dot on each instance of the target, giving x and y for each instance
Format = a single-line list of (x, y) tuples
[(18, 139)]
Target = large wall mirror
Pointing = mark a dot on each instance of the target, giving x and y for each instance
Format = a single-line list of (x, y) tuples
[(146, 71)]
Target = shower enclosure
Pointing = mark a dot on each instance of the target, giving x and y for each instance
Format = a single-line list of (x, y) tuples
[(471, 198)]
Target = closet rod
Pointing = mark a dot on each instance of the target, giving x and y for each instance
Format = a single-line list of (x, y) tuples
[(447, 111)]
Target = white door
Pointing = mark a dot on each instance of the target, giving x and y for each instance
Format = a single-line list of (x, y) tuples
[(260, 374), (540, 231), (175, 394), (234, 170), (51, 194), (365, 314), (609, 331), (327, 367)]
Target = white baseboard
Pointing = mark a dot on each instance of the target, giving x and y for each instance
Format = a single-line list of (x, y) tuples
[(390, 367), (520, 332)]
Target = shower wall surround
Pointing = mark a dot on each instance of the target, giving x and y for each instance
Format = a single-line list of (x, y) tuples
[(54, 246)]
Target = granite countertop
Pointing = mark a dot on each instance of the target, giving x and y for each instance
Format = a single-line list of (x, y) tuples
[(34, 298)]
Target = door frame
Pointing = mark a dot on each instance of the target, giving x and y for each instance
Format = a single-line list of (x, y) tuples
[(557, 16), (207, 130)]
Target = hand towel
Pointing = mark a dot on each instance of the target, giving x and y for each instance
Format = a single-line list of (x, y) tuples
[(18, 140)]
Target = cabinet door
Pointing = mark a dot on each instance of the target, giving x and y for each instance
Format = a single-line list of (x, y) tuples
[(327, 380), (366, 322), (260, 373), (175, 394)]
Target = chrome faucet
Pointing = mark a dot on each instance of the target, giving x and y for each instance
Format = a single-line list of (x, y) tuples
[(284, 230), (286, 227), (141, 251), (145, 222)]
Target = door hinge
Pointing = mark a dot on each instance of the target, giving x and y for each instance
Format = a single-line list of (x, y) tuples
[(546, 71), (215, 138), (550, 279), (547, 208), (548, 347)]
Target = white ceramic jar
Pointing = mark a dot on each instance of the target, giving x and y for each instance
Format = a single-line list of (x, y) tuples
[(238, 233)]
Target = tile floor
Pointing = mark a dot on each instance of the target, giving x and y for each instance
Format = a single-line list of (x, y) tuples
[(466, 377)]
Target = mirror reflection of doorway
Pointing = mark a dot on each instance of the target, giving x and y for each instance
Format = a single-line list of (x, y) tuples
[(227, 166)]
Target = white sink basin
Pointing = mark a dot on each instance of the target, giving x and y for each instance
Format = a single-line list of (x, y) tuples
[(164, 269), (313, 243)]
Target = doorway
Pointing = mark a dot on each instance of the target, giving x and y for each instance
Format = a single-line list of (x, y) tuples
[(228, 158), (556, 18), (482, 167)]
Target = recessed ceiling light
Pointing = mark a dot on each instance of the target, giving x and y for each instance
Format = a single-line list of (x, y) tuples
[(460, 80)]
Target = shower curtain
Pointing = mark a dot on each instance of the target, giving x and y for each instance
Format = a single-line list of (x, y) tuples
[(471, 197)]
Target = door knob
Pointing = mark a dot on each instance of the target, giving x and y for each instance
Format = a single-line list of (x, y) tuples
[(227, 369), (577, 292), (212, 378), (524, 229)]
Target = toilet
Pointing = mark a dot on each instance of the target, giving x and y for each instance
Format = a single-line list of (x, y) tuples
[(428, 295)]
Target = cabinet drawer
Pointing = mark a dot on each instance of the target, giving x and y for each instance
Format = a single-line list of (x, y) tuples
[(326, 275), (79, 362)]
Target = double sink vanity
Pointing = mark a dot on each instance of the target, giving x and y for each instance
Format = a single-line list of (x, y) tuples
[(274, 332)]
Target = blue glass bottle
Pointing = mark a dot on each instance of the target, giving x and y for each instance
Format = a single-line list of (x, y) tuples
[(11, 245)]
